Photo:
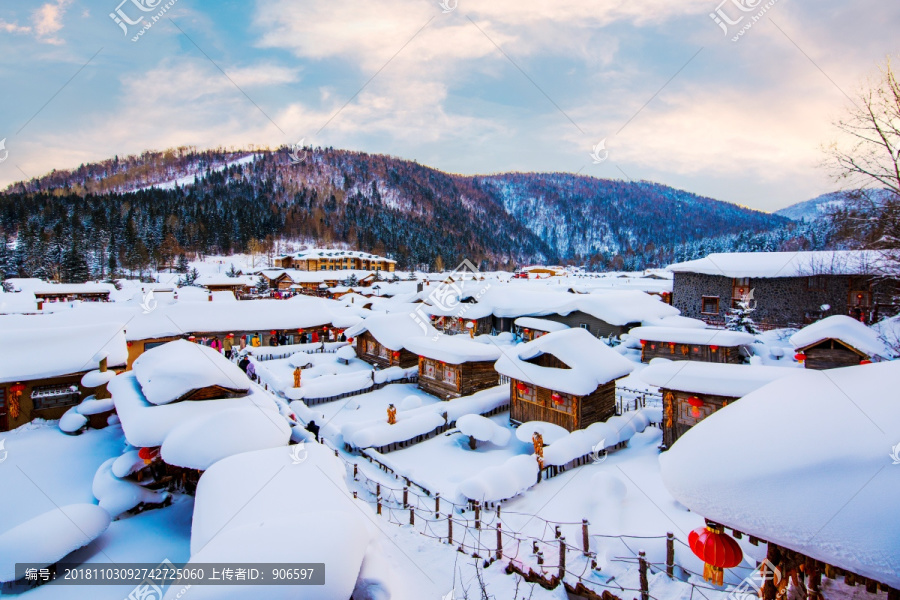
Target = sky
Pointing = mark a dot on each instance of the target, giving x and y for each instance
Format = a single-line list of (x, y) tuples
[(657, 90)]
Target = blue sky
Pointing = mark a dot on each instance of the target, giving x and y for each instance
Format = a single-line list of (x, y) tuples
[(486, 87)]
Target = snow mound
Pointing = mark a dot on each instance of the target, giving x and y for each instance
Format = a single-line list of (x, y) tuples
[(72, 421), (169, 372), (410, 402), (395, 374), (381, 433), (200, 442), (609, 487), (483, 429), (50, 537), (503, 481), (300, 359), (548, 431), (96, 378), (130, 462), (94, 406), (119, 495), (346, 352)]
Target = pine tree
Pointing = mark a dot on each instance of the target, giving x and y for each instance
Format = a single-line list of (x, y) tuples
[(353, 280), (411, 276), (262, 285), (182, 264), (738, 318), (189, 278), (74, 267), (232, 272)]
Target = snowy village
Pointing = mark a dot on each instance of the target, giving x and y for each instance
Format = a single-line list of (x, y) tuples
[(449, 300), (638, 434)]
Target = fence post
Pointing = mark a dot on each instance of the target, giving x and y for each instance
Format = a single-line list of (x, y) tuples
[(412, 516), (355, 471), (437, 505), (562, 558), (477, 515), (585, 539), (645, 585), (450, 528), (378, 505), (499, 541), (378, 490), (405, 497), (670, 554)]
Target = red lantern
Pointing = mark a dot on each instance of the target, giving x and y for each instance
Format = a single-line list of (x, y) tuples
[(148, 454), (524, 331), (799, 357), (865, 361), (717, 550), (350, 340), (273, 332), (643, 342), (396, 355), (17, 389), (696, 403), (557, 399), (713, 348), (129, 344)]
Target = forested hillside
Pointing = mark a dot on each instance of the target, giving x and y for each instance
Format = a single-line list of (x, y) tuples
[(142, 212)]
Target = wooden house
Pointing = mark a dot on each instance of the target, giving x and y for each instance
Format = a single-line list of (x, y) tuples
[(838, 341), (316, 259), (66, 292), (797, 468), (454, 366), (567, 378), (692, 391), (789, 288), (381, 340), (464, 318), (705, 345), (42, 367), (530, 328)]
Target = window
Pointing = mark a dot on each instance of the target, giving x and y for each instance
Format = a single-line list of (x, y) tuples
[(816, 283), (585, 326), (450, 374), (710, 305), (54, 396), (429, 369)]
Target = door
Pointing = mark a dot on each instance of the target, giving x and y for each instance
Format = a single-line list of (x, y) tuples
[(4, 420)]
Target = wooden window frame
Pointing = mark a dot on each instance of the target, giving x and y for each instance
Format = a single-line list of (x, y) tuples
[(703, 301)]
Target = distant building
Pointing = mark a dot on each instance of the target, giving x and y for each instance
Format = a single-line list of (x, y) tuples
[(334, 260), (789, 288)]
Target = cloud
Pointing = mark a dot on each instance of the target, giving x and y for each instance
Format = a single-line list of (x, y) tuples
[(48, 21), (13, 27)]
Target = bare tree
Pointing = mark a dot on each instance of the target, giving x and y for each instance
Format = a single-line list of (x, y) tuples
[(866, 162)]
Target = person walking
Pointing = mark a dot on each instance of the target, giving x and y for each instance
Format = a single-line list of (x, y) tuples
[(228, 344), (244, 363)]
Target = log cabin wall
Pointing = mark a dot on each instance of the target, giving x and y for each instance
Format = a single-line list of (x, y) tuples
[(695, 352), (375, 353), (831, 354), (54, 399), (597, 327), (679, 416), (447, 381), (573, 412)]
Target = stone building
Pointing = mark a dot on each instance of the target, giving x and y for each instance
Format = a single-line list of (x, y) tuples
[(788, 288)]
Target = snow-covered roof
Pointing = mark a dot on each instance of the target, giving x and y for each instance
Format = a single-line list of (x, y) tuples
[(453, 349), (222, 280), (681, 335), (169, 372), (783, 264), (394, 330), (316, 253), (37, 353), (620, 307), (72, 288), (240, 515), (540, 324), (711, 378), (845, 329), (592, 363), (50, 537), (804, 462), (195, 434), (181, 318)]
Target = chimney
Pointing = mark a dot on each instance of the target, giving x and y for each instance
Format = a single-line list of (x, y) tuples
[(40, 305), (103, 364), (210, 296)]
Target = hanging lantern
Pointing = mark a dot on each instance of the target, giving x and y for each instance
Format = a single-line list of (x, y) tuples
[(653, 346), (713, 348), (396, 355), (696, 403), (520, 386), (717, 550), (865, 361), (643, 343), (349, 340), (672, 347), (273, 332), (557, 399), (148, 454), (129, 344), (524, 331), (800, 357)]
